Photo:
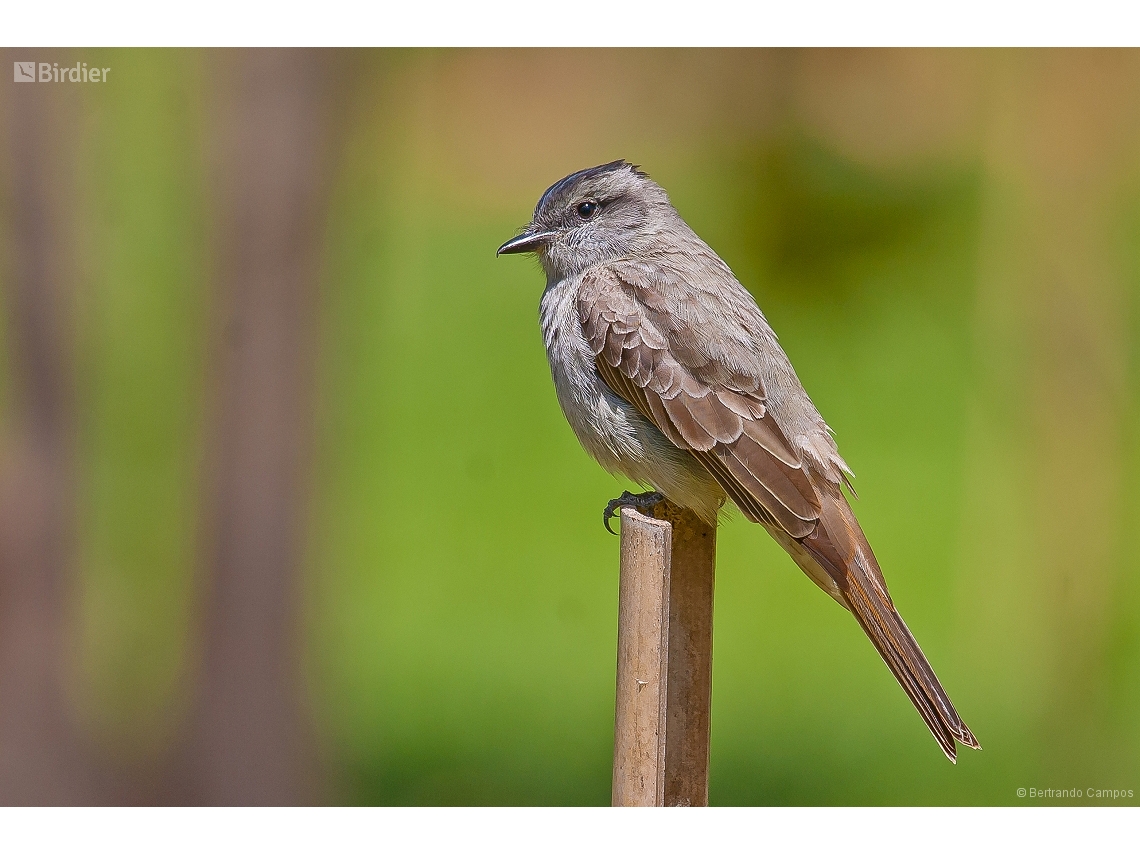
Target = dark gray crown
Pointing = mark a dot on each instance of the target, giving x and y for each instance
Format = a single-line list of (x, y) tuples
[(560, 187)]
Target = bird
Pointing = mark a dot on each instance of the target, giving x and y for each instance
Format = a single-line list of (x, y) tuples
[(670, 375)]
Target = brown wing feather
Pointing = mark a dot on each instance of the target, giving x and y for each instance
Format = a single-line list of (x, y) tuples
[(728, 430)]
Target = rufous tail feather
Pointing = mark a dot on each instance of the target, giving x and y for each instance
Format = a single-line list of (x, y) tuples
[(839, 546)]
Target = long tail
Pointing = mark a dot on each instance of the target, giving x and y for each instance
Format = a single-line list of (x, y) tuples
[(840, 547)]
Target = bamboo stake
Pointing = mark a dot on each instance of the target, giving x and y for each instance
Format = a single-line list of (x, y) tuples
[(664, 670)]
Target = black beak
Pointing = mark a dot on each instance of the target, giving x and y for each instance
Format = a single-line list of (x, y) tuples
[(528, 241)]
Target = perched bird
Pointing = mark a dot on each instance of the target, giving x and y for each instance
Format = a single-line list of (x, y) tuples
[(669, 374)]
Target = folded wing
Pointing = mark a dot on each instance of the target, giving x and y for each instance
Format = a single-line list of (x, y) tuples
[(715, 410)]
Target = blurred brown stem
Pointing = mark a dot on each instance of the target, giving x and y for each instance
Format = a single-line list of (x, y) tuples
[(249, 741), (40, 758)]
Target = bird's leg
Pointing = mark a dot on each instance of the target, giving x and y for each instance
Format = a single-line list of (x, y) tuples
[(644, 502)]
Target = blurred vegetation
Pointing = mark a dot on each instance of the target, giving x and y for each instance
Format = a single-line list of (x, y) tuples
[(951, 265)]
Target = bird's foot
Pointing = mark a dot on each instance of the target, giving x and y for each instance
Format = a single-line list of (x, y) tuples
[(644, 502)]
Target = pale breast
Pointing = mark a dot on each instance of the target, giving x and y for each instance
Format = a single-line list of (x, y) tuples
[(601, 420), (608, 427)]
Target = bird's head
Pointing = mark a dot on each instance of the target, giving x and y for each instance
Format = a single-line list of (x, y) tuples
[(593, 216)]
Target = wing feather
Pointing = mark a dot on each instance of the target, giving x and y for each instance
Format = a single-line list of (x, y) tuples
[(711, 408)]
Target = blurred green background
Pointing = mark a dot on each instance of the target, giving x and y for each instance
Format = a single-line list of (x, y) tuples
[(946, 243)]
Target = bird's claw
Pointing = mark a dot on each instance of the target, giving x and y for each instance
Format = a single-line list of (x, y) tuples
[(637, 501)]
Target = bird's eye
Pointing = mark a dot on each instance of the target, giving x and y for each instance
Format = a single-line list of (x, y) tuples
[(587, 209)]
